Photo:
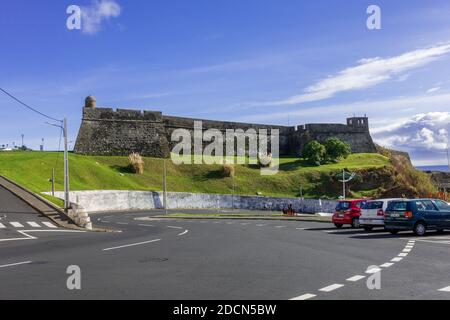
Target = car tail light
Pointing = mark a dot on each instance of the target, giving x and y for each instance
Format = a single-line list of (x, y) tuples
[(380, 213), (408, 214)]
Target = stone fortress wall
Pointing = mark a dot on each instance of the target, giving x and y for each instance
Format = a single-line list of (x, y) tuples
[(105, 131)]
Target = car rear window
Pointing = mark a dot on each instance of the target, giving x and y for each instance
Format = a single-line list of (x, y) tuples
[(343, 206), (397, 206), (373, 205)]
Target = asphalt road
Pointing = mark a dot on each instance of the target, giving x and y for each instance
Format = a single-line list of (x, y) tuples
[(216, 259)]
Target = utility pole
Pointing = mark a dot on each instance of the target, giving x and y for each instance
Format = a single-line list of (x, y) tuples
[(53, 182), (22, 139), (165, 186), (343, 184), (66, 169)]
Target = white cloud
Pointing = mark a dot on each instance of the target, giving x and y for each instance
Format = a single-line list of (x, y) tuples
[(368, 73), (426, 131), (434, 89), (99, 11)]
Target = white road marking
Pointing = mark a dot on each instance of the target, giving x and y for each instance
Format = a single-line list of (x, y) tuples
[(172, 227), (15, 264), (279, 227), (355, 278), (16, 224), (304, 297), (403, 254), (183, 233), (30, 237), (373, 270), (49, 224), (122, 223), (260, 225), (446, 289), (332, 287), (409, 247), (2, 226), (131, 245), (244, 224), (301, 228), (387, 265), (33, 224), (145, 225), (397, 259), (407, 250)]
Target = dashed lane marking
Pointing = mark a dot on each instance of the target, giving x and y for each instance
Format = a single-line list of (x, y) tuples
[(2, 226), (331, 288), (446, 289), (373, 270), (146, 225), (397, 259), (304, 297), (387, 265), (173, 227), (131, 245), (355, 278), (15, 264), (183, 233), (403, 254)]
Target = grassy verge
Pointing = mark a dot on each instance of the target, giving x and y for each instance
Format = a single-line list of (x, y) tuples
[(33, 170)]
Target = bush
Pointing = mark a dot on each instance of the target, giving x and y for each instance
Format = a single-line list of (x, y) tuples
[(136, 164), (265, 160), (228, 169), (336, 149), (314, 153)]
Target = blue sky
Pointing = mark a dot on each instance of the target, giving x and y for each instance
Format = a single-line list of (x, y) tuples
[(280, 62)]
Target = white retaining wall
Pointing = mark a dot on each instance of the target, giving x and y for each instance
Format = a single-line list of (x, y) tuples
[(114, 200)]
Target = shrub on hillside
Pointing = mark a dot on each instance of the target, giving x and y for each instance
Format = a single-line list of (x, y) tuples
[(136, 163), (228, 169), (265, 160), (314, 152), (336, 149)]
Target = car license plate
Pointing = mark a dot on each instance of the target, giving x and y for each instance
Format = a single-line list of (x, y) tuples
[(340, 215), (395, 215)]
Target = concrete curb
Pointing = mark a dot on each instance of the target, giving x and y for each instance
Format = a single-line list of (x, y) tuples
[(242, 218)]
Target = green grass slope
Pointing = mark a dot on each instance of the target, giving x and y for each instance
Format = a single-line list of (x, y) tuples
[(33, 170)]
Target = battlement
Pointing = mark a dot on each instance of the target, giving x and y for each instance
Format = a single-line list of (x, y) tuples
[(108, 131)]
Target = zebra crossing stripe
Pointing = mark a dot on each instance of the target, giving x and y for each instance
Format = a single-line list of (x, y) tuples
[(33, 224), (16, 224), (50, 225)]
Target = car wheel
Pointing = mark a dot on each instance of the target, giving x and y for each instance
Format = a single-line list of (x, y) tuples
[(393, 231), (420, 229), (368, 228), (355, 223), (338, 225)]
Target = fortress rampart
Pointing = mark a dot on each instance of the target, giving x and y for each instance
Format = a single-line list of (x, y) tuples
[(105, 131)]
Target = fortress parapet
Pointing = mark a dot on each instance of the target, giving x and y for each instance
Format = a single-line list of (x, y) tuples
[(107, 131)]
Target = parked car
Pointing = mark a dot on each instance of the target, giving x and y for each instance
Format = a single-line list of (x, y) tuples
[(348, 212), (418, 215), (372, 213)]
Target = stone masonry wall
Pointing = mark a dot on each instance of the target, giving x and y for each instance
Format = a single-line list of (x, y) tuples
[(105, 131)]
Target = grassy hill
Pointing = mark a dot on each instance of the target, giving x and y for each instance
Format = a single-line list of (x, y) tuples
[(33, 170)]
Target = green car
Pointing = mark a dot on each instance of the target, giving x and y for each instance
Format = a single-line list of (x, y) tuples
[(417, 215)]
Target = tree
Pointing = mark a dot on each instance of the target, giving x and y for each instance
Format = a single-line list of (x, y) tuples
[(314, 152), (336, 149)]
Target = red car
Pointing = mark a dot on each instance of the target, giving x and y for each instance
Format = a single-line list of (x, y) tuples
[(348, 212)]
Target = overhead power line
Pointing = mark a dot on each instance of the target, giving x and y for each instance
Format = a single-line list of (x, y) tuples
[(29, 107)]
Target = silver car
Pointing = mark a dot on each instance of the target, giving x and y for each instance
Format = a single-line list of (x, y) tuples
[(372, 213)]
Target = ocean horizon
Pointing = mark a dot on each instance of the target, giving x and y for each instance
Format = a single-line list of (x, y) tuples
[(443, 168)]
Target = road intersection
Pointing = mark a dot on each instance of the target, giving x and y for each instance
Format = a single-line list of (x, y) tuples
[(153, 258)]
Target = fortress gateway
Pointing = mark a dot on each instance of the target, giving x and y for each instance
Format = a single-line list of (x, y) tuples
[(105, 131)]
